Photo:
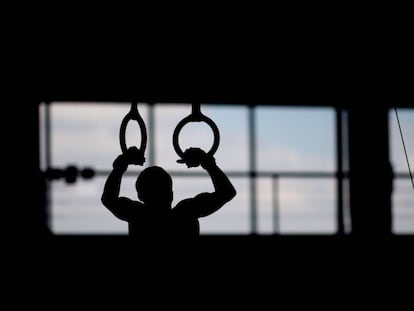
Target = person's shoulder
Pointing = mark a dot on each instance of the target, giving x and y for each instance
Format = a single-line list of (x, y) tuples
[(193, 199), (183, 204)]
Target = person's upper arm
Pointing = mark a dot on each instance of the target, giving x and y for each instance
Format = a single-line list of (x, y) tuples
[(121, 207), (201, 205)]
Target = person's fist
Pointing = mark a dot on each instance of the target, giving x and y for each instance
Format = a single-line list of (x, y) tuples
[(194, 157), (135, 156), (132, 156)]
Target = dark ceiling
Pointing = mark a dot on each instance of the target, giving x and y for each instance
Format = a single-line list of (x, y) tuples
[(368, 80), (349, 92)]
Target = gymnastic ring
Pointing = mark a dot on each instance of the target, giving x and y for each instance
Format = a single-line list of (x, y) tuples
[(133, 114), (198, 118)]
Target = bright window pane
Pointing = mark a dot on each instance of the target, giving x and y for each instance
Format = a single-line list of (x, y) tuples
[(397, 155), (403, 193), (295, 139), (232, 123), (77, 209), (307, 206), (87, 134), (296, 206), (403, 207), (265, 206)]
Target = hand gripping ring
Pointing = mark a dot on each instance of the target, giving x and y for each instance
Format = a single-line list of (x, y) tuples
[(133, 114), (196, 116)]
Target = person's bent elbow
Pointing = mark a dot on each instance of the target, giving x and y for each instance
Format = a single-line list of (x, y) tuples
[(106, 201), (232, 194), (229, 195)]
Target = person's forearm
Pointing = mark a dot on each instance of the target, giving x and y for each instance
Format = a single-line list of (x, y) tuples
[(113, 183)]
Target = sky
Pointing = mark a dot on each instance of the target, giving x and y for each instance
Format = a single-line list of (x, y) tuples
[(287, 139)]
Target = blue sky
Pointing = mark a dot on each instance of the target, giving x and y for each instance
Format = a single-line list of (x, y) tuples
[(288, 139)]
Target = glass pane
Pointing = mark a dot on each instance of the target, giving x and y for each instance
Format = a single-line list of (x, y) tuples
[(397, 154), (87, 134), (42, 136), (265, 207), (403, 192), (403, 206), (77, 209), (307, 206), (232, 153), (295, 139)]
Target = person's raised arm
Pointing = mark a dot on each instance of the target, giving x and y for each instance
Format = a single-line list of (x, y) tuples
[(208, 203), (110, 196)]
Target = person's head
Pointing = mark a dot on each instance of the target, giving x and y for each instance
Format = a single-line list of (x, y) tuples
[(154, 186)]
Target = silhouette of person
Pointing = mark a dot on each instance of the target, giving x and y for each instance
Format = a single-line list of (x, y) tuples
[(154, 216)]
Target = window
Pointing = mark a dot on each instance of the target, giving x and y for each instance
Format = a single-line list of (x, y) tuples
[(281, 161), (296, 165)]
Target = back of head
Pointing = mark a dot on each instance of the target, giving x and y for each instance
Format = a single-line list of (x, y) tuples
[(154, 186)]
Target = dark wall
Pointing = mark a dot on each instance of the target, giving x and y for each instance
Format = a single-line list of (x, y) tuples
[(331, 70)]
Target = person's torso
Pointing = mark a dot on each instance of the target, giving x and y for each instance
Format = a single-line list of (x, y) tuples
[(148, 223)]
